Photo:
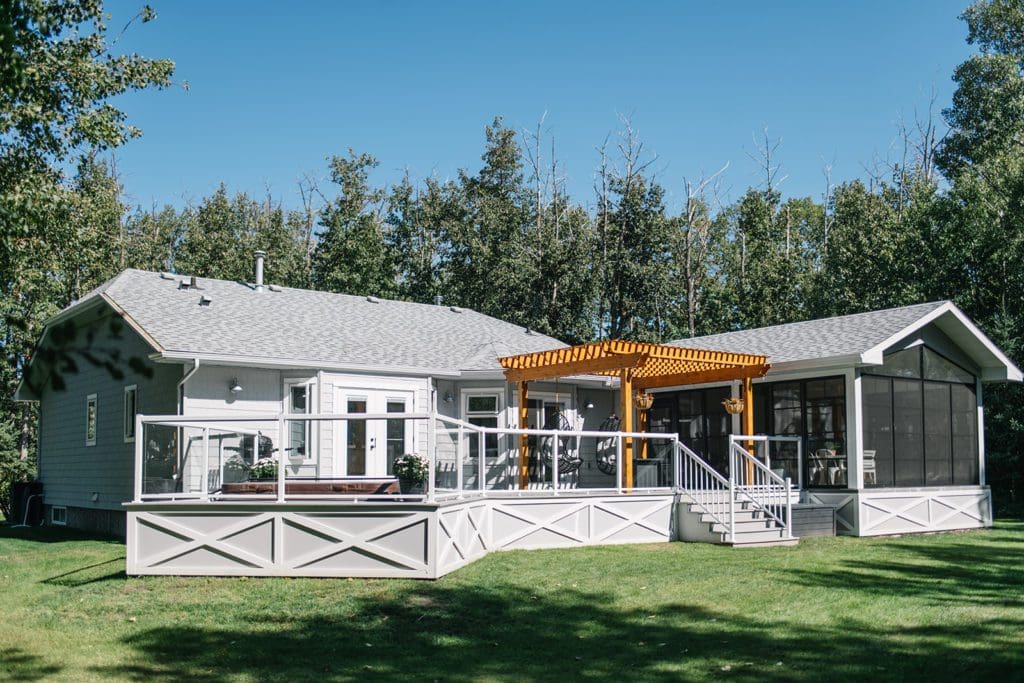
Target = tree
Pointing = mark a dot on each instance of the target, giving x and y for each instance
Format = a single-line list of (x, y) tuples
[(351, 256)]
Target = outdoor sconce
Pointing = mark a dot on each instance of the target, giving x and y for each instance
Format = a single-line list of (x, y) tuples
[(448, 397), (588, 405), (234, 387)]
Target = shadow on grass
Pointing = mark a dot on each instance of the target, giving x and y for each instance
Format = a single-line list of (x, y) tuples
[(93, 573), (461, 633), (984, 571), (18, 665), (54, 534)]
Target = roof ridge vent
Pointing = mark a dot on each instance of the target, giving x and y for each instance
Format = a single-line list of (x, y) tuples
[(373, 299)]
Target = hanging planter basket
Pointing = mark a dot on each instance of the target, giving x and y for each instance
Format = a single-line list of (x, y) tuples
[(733, 406), (643, 401)]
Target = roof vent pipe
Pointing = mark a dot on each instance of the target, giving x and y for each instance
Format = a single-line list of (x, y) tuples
[(260, 255), (438, 299)]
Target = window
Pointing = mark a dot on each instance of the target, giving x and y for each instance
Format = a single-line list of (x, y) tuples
[(482, 411), (815, 410), (920, 418), (90, 420), (700, 420), (131, 394), (298, 402), (59, 515)]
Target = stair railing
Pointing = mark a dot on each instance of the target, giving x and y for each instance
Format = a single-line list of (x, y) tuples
[(754, 483), (706, 488)]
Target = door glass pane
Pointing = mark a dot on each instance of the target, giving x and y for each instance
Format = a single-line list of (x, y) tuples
[(395, 435), (356, 445), (482, 404)]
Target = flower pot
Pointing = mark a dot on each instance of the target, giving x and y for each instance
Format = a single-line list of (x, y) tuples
[(410, 487)]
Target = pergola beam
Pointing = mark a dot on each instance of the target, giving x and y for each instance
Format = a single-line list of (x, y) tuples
[(700, 377), (589, 366)]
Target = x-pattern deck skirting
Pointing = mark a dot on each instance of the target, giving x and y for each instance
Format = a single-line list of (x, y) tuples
[(410, 540)]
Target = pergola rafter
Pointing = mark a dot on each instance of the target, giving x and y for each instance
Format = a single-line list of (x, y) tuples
[(639, 366)]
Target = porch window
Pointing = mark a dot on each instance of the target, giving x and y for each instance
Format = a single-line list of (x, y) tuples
[(920, 419), (699, 418), (482, 410), (814, 410), (394, 434)]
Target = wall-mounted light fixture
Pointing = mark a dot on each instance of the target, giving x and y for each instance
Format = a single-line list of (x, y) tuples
[(234, 387), (448, 397), (588, 404)]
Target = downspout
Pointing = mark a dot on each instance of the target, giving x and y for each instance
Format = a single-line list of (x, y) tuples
[(181, 385)]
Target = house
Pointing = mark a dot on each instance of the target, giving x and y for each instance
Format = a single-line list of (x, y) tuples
[(877, 416)]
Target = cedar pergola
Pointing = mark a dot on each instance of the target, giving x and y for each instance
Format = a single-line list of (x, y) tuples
[(638, 366)]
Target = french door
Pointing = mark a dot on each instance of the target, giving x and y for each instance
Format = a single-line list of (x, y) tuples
[(368, 448)]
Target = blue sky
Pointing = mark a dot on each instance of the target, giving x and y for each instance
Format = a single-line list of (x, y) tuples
[(276, 87)]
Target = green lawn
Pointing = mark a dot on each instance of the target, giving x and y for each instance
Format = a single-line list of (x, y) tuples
[(940, 607)]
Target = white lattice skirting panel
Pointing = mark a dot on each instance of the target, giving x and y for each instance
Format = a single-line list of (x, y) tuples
[(369, 540), (902, 511)]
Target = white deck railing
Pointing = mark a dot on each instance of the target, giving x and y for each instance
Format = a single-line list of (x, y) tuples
[(188, 440), (757, 486)]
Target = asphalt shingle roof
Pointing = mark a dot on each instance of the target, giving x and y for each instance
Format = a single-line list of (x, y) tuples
[(829, 337), (315, 327)]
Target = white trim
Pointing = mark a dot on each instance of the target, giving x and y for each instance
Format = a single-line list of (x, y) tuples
[(874, 355), (91, 399), (302, 364), (64, 516), (981, 431), (127, 420), (854, 430)]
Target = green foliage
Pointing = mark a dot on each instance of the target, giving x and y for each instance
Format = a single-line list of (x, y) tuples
[(351, 255), (13, 468)]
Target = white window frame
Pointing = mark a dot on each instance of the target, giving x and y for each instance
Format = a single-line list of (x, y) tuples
[(310, 384), (63, 521), (91, 400), (128, 425), (499, 408)]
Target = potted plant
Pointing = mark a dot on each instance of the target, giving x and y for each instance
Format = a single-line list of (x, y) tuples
[(263, 469), (411, 470)]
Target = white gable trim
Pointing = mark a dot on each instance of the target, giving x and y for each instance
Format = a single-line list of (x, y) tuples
[(1008, 372)]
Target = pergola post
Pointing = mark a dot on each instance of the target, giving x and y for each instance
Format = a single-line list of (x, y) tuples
[(524, 440), (626, 414), (747, 421)]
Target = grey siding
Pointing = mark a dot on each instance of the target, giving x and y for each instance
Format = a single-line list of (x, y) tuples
[(72, 472)]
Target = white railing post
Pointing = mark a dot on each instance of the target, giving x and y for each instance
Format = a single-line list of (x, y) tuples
[(281, 457), (800, 464), (458, 459), (554, 464), (482, 465), (618, 462), (140, 442), (432, 449), (204, 485), (732, 497), (789, 510)]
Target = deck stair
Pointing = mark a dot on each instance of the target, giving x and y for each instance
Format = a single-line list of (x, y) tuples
[(750, 508)]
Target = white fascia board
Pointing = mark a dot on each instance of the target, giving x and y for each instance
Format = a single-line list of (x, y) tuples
[(1008, 372), (815, 364), (300, 364), (598, 381)]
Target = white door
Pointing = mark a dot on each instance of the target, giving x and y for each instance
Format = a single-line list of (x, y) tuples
[(368, 448)]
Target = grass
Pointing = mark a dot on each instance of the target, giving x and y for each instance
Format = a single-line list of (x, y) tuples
[(939, 607)]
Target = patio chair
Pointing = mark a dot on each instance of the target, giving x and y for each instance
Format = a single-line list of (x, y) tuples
[(606, 452), (568, 446), (869, 467)]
